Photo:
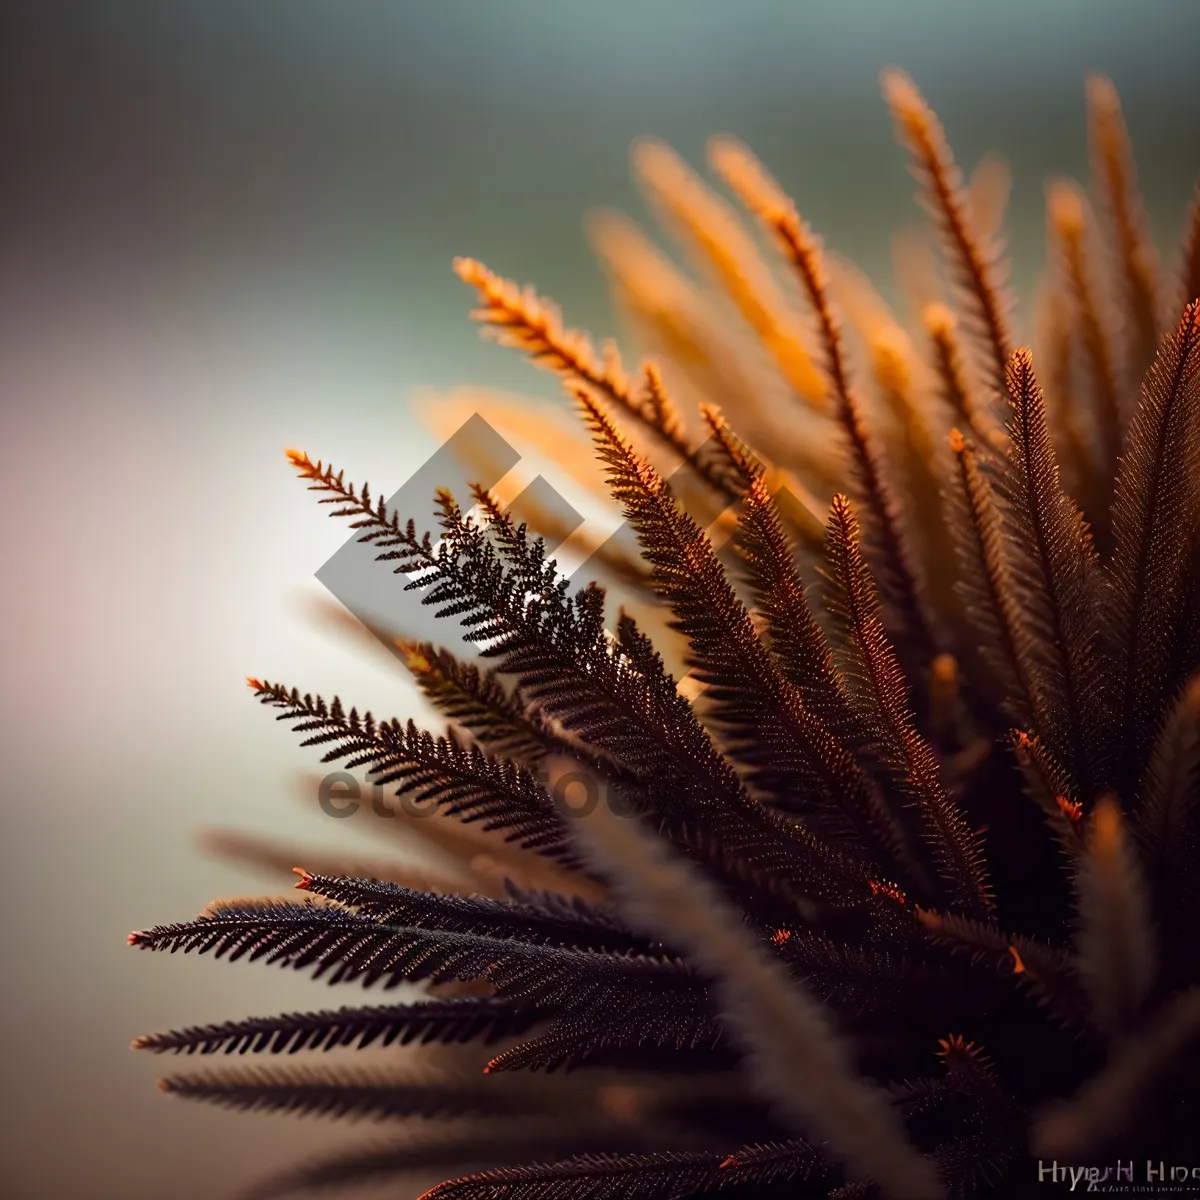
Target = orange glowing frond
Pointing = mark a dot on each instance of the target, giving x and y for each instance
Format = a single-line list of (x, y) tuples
[(519, 318), (883, 888), (300, 460), (727, 252), (954, 1044), (1018, 963), (1071, 809)]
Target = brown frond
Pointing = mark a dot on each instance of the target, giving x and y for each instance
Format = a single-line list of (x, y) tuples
[(1046, 971), (878, 691), (445, 1020), (921, 462), (708, 875), (710, 362), (802, 250), (1051, 790), (1051, 560), (954, 386), (1168, 795), (1156, 507), (664, 304), (281, 858), (712, 231), (356, 1094), (1056, 335), (797, 640), (1068, 215), (479, 703), (588, 1177), (436, 772), (517, 317), (1136, 258), (1115, 941), (796, 1058), (451, 1149), (769, 725), (991, 601), (975, 257)]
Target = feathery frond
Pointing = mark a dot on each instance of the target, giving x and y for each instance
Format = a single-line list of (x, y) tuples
[(1155, 512), (793, 1053), (881, 698), (1115, 939), (1128, 226), (1053, 569), (974, 254), (903, 859)]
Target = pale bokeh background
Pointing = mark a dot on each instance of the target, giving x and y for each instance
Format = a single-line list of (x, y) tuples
[(228, 228)]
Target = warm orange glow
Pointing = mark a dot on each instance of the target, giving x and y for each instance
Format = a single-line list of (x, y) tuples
[(882, 887), (1071, 809)]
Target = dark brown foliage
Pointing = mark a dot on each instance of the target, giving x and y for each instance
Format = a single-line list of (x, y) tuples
[(924, 852)]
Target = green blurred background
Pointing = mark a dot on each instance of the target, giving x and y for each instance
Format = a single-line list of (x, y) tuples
[(228, 227)]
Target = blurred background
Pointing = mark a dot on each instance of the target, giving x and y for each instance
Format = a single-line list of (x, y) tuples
[(228, 228)]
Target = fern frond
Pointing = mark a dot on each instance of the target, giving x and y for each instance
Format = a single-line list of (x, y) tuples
[(345, 946), (280, 858), (920, 461), (616, 698), (985, 583), (1045, 970), (1115, 941), (1136, 259), (478, 702), (441, 772), (769, 726), (1068, 215), (795, 1057), (498, 1142), (792, 1162), (802, 250), (1056, 337), (880, 694), (954, 386), (446, 1020), (1155, 511), (687, 1027), (591, 1177), (667, 309), (519, 318), (797, 640), (1048, 785), (1052, 565), (354, 1094), (975, 259), (543, 921), (713, 232), (1169, 793)]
